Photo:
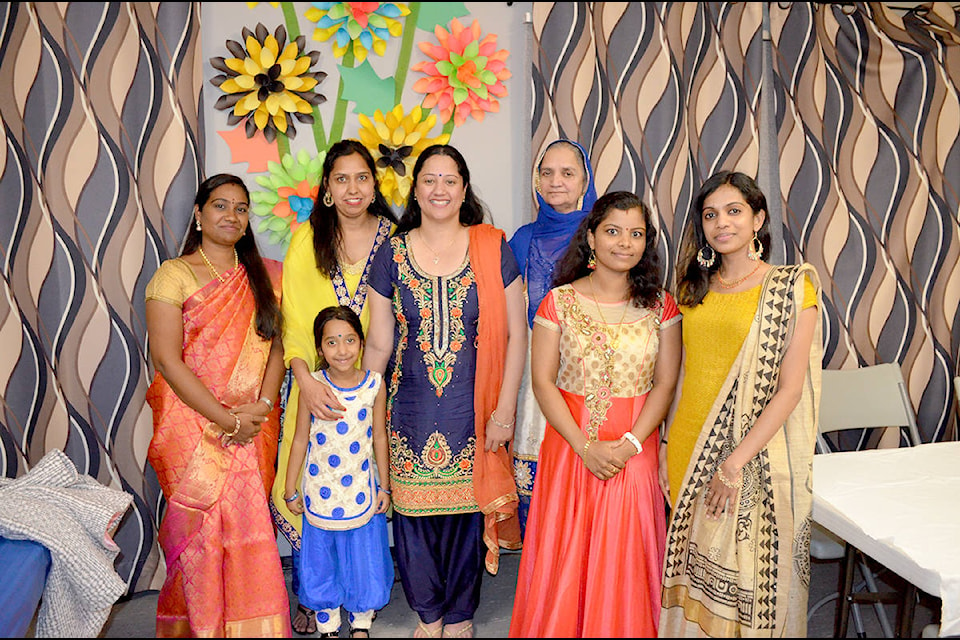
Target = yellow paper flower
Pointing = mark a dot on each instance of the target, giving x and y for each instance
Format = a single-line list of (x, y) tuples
[(366, 26), (396, 141), (268, 80)]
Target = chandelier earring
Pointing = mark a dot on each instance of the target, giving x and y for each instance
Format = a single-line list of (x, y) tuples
[(199, 228), (592, 260), (327, 199), (704, 259), (756, 248)]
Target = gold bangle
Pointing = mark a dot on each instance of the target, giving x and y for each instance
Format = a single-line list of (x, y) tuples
[(236, 429), (583, 452), (493, 419), (730, 484)]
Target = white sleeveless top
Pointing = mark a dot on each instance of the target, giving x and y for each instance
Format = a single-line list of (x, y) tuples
[(339, 485)]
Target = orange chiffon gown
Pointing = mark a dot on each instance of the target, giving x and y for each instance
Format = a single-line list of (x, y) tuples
[(593, 552)]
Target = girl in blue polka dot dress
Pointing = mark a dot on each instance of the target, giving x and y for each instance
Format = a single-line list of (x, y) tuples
[(342, 469)]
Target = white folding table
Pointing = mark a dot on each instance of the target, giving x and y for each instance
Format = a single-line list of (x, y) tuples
[(901, 507)]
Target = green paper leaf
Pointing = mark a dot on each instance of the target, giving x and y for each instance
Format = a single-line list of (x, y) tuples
[(354, 29), (364, 87), (487, 77), (472, 50), (298, 173), (481, 91), (457, 59), (278, 224), (264, 224), (459, 95), (446, 68), (439, 13), (338, 11)]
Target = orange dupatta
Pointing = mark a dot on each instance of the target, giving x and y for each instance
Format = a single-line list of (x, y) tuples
[(493, 482)]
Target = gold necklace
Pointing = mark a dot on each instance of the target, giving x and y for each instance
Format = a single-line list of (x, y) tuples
[(436, 255), (236, 262), (729, 285), (615, 342)]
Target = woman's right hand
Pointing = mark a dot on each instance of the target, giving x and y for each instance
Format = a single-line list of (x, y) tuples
[(320, 399), (295, 506), (602, 460)]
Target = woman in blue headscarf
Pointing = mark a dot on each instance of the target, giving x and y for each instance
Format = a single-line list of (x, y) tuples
[(565, 195)]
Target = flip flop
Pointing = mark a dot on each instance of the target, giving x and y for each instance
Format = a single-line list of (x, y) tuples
[(310, 627)]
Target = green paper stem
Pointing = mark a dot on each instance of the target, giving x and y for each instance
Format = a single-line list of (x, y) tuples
[(406, 49), (449, 126), (340, 113), (293, 32), (283, 143)]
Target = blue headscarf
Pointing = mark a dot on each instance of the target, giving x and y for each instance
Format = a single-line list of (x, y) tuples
[(539, 245)]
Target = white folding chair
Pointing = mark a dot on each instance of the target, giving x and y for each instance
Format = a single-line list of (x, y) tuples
[(866, 397)]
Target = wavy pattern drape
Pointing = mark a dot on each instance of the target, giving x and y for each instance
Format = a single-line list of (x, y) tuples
[(866, 119), (101, 160)]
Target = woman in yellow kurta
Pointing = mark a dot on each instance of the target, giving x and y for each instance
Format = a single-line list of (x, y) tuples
[(326, 265), (739, 449)]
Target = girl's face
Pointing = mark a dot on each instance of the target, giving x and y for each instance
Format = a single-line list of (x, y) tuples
[(728, 221), (351, 185), (619, 240), (340, 347), (440, 190), (561, 180)]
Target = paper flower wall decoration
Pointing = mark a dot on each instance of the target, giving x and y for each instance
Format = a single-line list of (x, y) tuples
[(396, 140), (268, 80), (367, 25), (290, 191), (464, 75)]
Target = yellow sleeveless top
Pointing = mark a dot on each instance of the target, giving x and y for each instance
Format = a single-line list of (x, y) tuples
[(713, 333)]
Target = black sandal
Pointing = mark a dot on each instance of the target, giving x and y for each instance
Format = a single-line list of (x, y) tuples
[(311, 627), (330, 634), (355, 630)]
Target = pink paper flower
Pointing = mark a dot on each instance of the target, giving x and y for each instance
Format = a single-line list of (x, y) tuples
[(465, 76)]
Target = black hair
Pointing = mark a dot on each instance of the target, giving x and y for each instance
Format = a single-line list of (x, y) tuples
[(694, 280), (269, 322), (341, 312), (325, 221), (472, 211), (644, 277)]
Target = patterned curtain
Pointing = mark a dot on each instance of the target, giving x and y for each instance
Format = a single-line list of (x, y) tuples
[(102, 158), (867, 171), (868, 120)]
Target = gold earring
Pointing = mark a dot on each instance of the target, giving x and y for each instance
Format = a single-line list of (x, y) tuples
[(327, 199), (702, 259), (756, 248), (592, 260), (536, 182)]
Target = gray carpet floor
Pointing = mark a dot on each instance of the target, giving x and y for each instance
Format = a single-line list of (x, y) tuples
[(135, 617)]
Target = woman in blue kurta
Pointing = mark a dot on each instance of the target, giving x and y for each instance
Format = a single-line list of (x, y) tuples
[(447, 327)]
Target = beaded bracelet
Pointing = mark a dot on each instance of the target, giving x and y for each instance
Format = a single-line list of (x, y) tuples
[(509, 425), (730, 484)]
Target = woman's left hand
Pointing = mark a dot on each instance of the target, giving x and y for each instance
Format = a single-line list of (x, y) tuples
[(498, 436), (253, 408), (720, 499), (383, 501)]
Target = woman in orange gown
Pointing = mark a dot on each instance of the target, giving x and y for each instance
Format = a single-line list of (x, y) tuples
[(607, 340), (214, 321)]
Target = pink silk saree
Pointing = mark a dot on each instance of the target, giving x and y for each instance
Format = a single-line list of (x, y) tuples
[(223, 567)]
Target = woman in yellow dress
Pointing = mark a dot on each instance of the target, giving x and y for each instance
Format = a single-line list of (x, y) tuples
[(326, 265), (739, 449)]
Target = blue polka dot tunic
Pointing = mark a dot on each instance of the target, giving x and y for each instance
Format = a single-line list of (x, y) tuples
[(339, 485)]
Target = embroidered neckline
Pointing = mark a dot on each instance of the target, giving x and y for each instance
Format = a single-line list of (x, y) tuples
[(360, 295)]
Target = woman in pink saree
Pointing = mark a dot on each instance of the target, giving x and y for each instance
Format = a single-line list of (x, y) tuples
[(214, 322)]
